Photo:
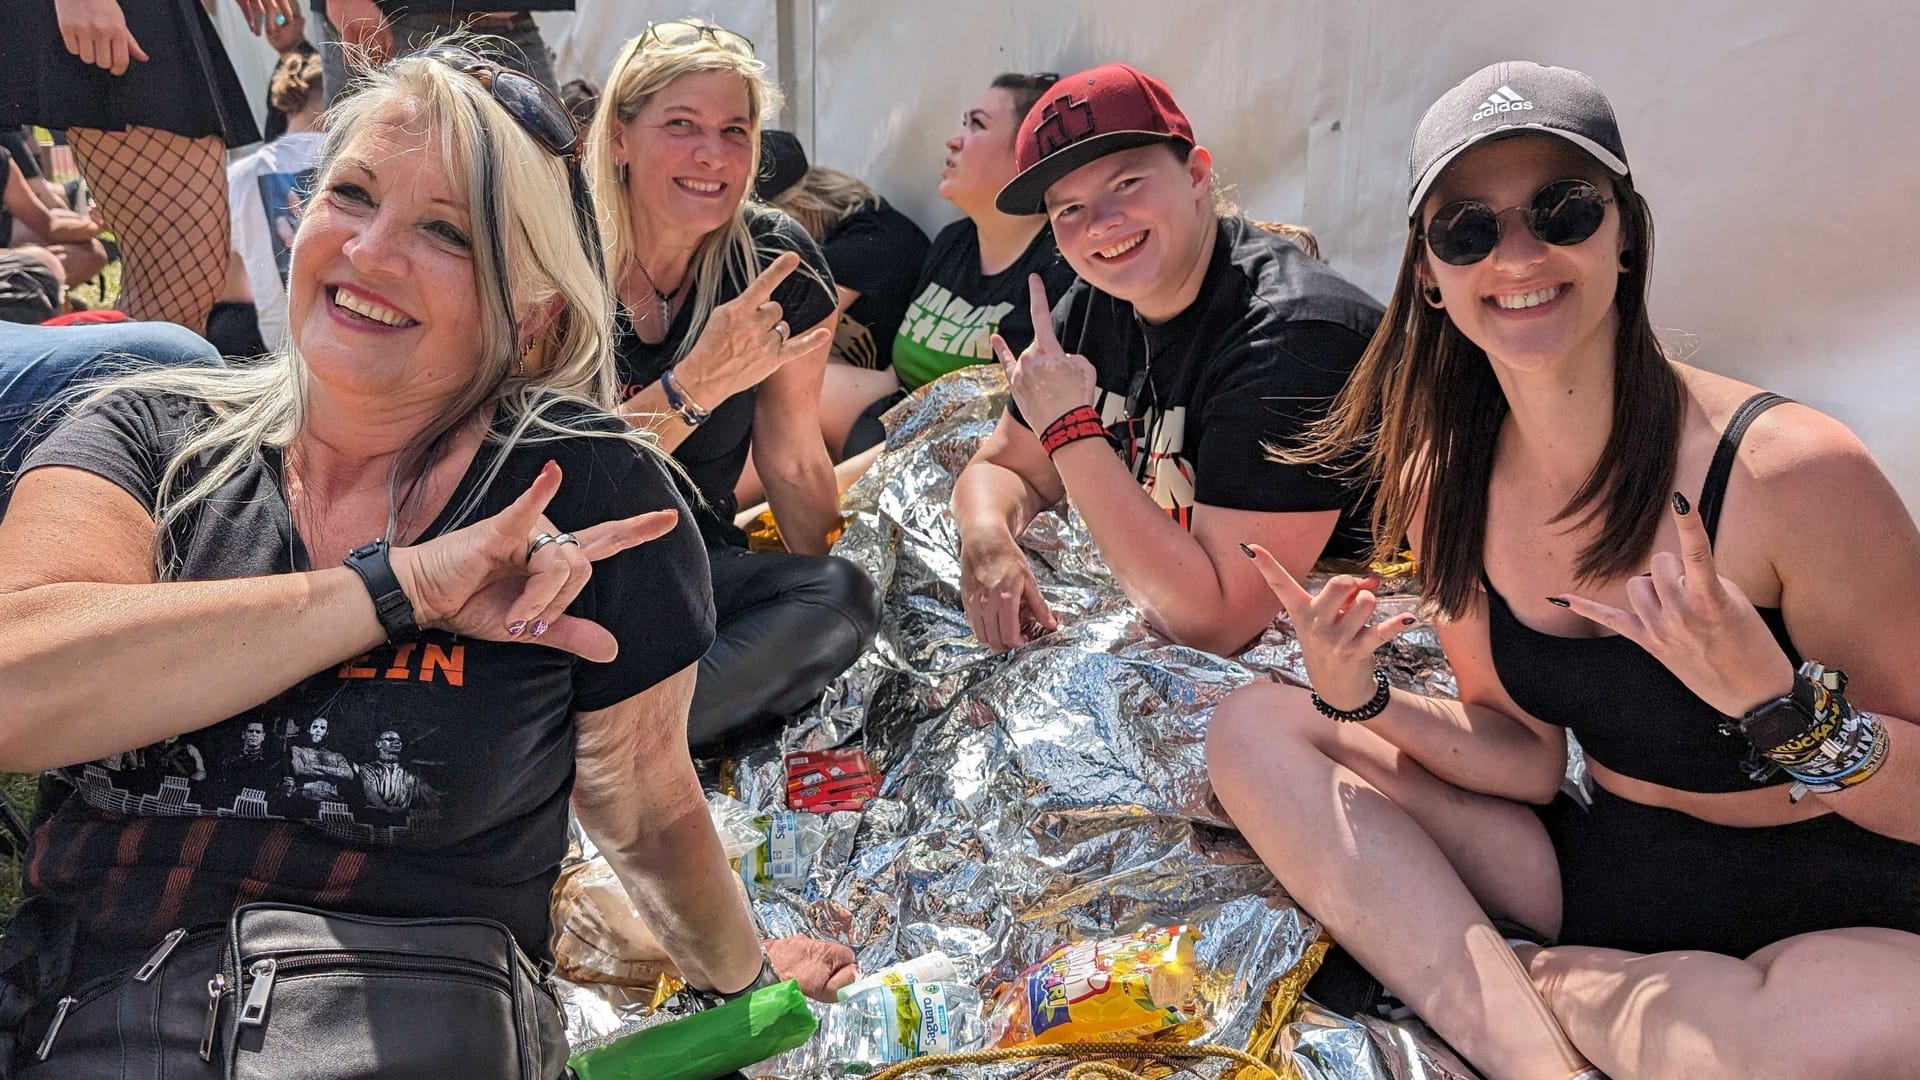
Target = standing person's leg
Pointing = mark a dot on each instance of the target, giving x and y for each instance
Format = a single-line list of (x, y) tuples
[(787, 625), (38, 364), (1402, 869), (165, 198), (516, 39)]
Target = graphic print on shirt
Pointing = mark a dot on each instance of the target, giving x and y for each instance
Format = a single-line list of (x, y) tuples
[(1151, 444), (335, 754), (280, 196), (853, 343), (945, 323)]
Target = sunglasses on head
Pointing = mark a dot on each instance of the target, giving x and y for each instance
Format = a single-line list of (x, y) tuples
[(675, 33), (534, 107), (1564, 213)]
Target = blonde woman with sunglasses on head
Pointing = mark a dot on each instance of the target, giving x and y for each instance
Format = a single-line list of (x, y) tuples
[(521, 639), (724, 321)]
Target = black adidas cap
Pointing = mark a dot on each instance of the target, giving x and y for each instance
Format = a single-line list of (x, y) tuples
[(1511, 98)]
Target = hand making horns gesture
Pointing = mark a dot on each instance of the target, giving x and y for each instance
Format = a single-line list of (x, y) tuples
[(1047, 381), (498, 580)]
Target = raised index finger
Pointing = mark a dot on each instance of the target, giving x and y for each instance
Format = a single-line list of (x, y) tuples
[(1042, 313), (523, 514), (1696, 551), (1293, 596), (760, 290)]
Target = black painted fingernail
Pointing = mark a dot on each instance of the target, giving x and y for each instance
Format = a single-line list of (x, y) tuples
[(1558, 602), (1247, 551), (1409, 620), (1680, 504)]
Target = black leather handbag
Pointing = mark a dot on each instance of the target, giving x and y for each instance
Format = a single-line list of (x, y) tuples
[(291, 993)]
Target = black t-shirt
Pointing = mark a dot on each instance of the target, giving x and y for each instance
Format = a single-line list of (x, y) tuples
[(716, 453), (956, 308), (876, 252), (428, 777), (1194, 402)]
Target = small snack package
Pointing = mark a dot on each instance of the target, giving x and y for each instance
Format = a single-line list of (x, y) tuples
[(822, 781), (1119, 988), (788, 842)]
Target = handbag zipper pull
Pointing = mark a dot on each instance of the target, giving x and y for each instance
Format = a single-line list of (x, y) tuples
[(159, 955), (53, 1029), (254, 1012), (216, 986)]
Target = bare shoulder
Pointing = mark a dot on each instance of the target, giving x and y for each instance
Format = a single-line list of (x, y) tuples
[(1789, 450)]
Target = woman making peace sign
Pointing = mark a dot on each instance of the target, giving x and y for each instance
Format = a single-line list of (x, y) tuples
[(1639, 552)]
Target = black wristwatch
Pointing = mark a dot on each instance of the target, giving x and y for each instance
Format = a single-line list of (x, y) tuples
[(767, 977), (1802, 710), (390, 602)]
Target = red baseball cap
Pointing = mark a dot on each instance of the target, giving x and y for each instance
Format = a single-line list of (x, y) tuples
[(1083, 117)]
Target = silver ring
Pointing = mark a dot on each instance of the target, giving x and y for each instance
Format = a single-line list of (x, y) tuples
[(567, 538), (539, 542), (783, 329)]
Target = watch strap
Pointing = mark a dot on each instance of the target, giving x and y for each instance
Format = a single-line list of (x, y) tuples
[(390, 602)]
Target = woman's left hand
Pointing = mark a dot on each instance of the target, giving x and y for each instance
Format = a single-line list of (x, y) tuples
[(820, 967), (1699, 624)]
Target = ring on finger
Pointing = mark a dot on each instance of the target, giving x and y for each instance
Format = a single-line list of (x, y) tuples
[(567, 538), (782, 329), (539, 542)]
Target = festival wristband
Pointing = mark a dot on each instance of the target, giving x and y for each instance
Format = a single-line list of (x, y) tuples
[(1072, 426), (1815, 735)]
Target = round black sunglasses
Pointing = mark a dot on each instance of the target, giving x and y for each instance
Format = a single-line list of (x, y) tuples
[(1563, 213)]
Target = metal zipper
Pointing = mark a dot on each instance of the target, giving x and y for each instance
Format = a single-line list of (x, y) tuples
[(53, 1029), (253, 1012), (159, 955), (216, 988)]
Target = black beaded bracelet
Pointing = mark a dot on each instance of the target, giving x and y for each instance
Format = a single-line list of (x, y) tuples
[(1382, 693)]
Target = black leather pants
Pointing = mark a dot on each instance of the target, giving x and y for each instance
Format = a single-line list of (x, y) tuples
[(787, 625)]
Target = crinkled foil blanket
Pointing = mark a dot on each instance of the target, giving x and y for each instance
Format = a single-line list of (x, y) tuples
[(1055, 794)]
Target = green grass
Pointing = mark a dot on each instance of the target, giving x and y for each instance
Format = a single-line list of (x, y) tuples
[(20, 790)]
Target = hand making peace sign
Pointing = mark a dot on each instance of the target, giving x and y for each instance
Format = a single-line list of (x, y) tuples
[(1697, 623), (1047, 381)]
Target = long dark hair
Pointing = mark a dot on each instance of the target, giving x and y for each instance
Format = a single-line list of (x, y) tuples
[(1420, 416)]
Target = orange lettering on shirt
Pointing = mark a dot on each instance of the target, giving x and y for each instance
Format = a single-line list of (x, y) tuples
[(400, 658), (358, 668), (454, 666)]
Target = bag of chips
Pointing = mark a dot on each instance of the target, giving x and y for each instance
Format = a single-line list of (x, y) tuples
[(1124, 987)]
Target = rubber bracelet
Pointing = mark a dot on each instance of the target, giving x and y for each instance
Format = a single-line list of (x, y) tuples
[(1072, 426), (1382, 693)]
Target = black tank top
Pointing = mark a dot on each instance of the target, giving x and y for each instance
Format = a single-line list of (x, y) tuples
[(1629, 712)]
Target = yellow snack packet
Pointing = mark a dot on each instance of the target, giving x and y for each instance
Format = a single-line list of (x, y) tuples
[(1126, 987)]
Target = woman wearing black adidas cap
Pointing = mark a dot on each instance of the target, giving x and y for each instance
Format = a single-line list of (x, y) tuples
[(1607, 555), (1192, 338)]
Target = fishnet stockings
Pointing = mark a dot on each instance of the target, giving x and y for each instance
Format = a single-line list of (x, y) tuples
[(165, 198)]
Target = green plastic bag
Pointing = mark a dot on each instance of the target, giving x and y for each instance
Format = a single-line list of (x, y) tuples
[(707, 1044)]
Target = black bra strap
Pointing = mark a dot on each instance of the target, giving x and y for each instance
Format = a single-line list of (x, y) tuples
[(1714, 491)]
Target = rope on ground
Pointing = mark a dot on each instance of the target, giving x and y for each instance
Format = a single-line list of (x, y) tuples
[(1094, 1059)]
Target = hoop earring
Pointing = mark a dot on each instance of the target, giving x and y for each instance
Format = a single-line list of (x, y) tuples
[(1431, 294)]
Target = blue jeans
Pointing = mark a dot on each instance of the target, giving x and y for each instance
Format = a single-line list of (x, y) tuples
[(38, 363)]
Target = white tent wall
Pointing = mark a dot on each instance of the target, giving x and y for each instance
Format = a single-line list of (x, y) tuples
[(1776, 139)]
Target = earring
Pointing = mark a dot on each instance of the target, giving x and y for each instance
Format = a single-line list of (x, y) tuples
[(623, 172), (1626, 262), (1431, 294)]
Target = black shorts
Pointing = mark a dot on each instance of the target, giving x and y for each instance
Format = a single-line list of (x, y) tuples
[(1647, 879), (867, 430)]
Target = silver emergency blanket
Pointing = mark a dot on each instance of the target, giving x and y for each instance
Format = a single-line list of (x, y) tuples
[(1056, 794)]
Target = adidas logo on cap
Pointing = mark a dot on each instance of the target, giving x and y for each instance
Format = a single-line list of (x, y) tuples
[(1501, 100)]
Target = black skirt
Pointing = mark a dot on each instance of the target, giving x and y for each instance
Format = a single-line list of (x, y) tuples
[(187, 86)]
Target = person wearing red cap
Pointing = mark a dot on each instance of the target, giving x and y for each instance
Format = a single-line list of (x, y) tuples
[(1641, 553), (1193, 342)]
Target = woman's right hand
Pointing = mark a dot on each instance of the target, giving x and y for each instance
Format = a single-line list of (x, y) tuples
[(1336, 644), (746, 340), (998, 592), (480, 582), (96, 32)]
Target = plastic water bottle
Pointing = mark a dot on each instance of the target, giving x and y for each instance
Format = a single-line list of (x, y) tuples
[(933, 967), (902, 1020)]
